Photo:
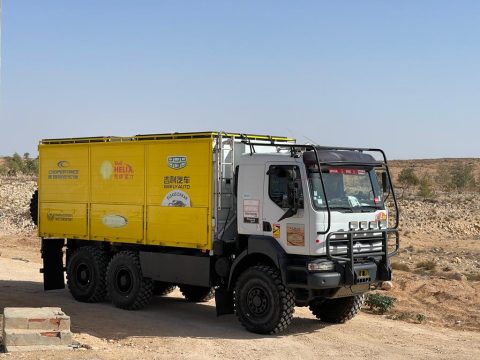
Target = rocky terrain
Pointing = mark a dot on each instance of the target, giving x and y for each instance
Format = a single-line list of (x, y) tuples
[(15, 195)]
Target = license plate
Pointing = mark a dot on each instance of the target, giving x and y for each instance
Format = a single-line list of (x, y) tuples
[(363, 273)]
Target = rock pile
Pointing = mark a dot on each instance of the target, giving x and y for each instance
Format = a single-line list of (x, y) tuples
[(15, 195), (453, 215)]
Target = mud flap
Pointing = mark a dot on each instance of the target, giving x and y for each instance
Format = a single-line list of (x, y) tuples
[(223, 301), (52, 255)]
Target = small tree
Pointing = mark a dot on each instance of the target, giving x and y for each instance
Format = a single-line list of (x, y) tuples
[(425, 189), (407, 178)]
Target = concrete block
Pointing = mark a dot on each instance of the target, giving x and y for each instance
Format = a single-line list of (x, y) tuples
[(35, 337), (28, 329), (12, 348), (36, 318)]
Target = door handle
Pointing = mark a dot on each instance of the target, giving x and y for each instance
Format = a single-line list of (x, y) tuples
[(267, 226)]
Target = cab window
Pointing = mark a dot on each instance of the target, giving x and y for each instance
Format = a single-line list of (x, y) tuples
[(281, 186)]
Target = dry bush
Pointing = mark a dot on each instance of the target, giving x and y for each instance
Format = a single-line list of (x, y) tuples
[(400, 266), (426, 265)]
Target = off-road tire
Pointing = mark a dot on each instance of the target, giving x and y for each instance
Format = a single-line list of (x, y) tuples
[(34, 208), (86, 270), (161, 288), (127, 288), (263, 304), (197, 293), (337, 311)]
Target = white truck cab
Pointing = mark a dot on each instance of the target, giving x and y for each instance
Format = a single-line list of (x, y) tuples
[(316, 216)]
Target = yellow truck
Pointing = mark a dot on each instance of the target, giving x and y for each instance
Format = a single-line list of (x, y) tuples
[(260, 222)]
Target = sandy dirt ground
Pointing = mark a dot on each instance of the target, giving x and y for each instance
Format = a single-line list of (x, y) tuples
[(172, 328)]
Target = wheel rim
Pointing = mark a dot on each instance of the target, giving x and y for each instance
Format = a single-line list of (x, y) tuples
[(83, 275), (123, 281), (257, 301)]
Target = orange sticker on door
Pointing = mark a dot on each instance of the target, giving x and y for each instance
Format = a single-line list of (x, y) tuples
[(296, 234), (276, 231)]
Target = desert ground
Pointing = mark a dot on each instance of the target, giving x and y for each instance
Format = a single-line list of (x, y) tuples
[(436, 285)]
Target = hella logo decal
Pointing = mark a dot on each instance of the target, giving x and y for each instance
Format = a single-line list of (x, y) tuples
[(63, 164), (177, 162)]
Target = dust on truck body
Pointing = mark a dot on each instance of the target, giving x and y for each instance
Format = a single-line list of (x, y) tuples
[(259, 222)]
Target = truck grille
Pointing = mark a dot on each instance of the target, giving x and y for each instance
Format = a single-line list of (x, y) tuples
[(362, 243)]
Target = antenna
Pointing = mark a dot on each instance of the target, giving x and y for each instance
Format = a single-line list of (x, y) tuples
[(306, 137)]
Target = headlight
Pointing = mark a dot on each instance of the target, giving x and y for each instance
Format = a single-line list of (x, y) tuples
[(363, 225), (373, 225), (353, 225), (321, 266), (383, 224)]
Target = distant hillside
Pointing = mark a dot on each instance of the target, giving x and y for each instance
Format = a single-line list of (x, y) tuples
[(432, 167)]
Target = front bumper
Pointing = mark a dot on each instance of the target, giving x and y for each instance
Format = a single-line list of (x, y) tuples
[(297, 275), (351, 269)]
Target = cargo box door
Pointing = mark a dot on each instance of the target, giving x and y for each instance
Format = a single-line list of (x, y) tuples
[(177, 226)]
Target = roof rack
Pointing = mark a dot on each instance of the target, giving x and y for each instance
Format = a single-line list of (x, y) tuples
[(169, 136)]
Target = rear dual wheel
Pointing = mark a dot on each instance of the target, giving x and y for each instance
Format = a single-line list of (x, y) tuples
[(337, 311), (86, 274), (197, 293), (127, 288)]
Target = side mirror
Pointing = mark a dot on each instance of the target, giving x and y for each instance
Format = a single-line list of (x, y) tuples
[(292, 197), (385, 182)]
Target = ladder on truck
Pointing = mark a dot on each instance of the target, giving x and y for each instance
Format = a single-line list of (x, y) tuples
[(224, 189)]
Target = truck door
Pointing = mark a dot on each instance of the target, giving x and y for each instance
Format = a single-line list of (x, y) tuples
[(282, 183)]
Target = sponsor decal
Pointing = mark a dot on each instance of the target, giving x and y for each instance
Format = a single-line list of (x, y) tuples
[(176, 182), (177, 162), (276, 231), (59, 217), (251, 211), (347, 171), (177, 198), (62, 173), (381, 216), (63, 164), (106, 170), (113, 221), (118, 170), (295, 234)]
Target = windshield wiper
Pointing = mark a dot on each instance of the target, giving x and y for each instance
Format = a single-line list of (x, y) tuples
[(342, 208), (371, 207)]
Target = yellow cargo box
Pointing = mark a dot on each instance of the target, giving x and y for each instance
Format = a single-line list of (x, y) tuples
[(148, 192)]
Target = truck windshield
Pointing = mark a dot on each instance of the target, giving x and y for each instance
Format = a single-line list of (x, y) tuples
[(348, 190)]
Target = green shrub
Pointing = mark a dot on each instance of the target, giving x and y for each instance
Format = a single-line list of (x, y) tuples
[(16, 164), (380, 303), (456, 177), (407, 178), (425, 189)]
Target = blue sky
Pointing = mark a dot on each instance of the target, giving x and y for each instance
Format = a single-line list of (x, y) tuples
[(400, 75)]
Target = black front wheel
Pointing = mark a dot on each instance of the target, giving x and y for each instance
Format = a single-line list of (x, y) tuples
[(127, 287), (86, 274), (263, 304)]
